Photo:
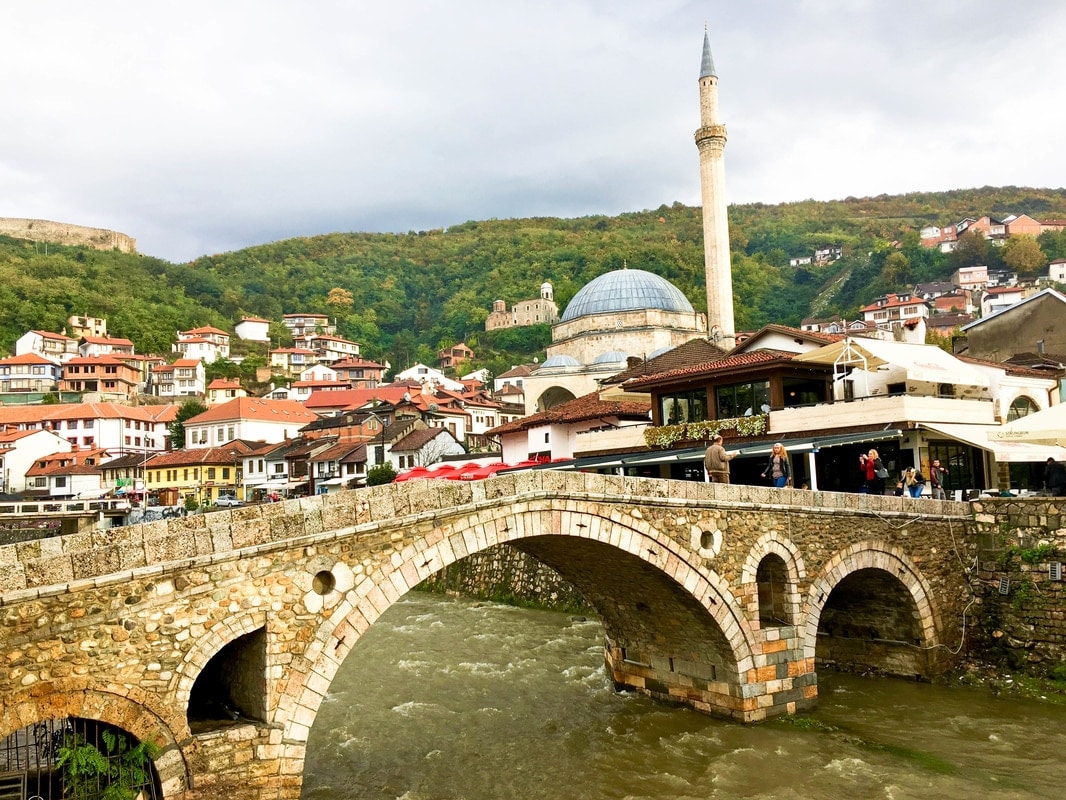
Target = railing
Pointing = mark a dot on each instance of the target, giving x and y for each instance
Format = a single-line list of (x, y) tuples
[(63, 507)]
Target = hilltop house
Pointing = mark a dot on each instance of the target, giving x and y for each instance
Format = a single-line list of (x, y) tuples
[(29, 372), (247, 418), (184, 378), (206, 344), (54, 346)]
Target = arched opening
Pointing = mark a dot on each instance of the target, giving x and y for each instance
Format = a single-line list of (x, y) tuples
[(1021, 407), (232, 685), (772, 580), (553, 397), (870, 623), (76, 759)]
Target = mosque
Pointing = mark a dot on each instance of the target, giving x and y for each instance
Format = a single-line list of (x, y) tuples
[(634, 314)]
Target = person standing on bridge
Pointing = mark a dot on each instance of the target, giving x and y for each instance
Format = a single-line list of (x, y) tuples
[(873, 472), (1055, 478), (778, 469), (716, 461), (936, 479)]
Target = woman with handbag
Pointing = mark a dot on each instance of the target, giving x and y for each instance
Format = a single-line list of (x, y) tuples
[(873, 472), (778, 470)]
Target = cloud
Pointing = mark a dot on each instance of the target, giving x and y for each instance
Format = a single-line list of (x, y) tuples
[(200, 127)]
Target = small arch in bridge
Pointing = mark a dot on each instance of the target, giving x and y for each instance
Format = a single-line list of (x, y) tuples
[(325, 583), (232, 685), (771, 575), (775, 592), (708, 543)]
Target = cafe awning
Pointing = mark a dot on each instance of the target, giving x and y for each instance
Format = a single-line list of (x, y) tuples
[(923, 363), (980, 436)]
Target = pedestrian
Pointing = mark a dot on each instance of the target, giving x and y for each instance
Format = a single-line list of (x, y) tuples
[(936, 479), (778, 469), (873, 472), (1055, 478), (913, 481), (716, 461)]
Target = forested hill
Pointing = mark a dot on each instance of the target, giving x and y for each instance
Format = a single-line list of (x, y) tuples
[(414, 293)]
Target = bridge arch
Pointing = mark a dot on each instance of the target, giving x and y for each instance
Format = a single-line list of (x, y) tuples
[(870, 568), (568, 540), (131, 712), (774, 563)]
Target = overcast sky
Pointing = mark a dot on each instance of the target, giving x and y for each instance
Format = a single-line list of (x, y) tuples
[(199, 127)]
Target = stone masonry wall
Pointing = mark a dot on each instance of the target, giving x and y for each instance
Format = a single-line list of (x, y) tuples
[(1021, 620)]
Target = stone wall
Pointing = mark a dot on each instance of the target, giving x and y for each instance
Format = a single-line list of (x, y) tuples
[(42, 230), (504, 574), (1020, 619)]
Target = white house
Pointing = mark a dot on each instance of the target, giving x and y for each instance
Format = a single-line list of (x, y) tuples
[(205, 343), (427, 375), (1056, 270), (19, 450), (253, 329), (253, 419), (184, 378), (55, 346)]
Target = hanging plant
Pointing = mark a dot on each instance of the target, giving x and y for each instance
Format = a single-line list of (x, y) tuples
[(668, 435)]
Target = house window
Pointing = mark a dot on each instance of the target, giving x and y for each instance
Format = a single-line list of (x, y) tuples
[(225, 473), (210, 473), (61, 482), (742, 399), (676, 409)]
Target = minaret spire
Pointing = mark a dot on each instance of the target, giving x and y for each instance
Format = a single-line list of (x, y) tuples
[(710, 139)]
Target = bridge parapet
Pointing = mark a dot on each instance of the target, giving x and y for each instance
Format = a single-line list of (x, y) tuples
[(93, 555)]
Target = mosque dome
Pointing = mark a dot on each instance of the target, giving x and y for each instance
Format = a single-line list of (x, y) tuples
[(626, 290), (611, 357), (561, 361)]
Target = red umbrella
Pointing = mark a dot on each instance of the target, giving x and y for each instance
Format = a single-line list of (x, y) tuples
[(415, 472)]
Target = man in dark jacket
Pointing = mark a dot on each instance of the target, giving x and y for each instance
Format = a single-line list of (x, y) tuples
[(1055, 478)]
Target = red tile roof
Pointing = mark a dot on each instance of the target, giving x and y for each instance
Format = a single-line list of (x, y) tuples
[(580, 409)]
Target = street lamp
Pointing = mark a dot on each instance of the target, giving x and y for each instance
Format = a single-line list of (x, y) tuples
[(236, 492)]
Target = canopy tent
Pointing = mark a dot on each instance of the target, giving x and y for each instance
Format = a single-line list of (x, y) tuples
[(922, 363), (983, 437), (1047, 427)]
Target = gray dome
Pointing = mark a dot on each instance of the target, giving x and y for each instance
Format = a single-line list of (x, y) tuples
[(660, 351), (626, 290), (561, 361), (610, 357)]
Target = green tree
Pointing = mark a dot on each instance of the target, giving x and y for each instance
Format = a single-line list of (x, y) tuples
[(189, 409), (380, 475), (118, 772), (971, 250), (1023, 255)]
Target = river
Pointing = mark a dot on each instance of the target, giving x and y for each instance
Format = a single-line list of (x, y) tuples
[(447, 699)]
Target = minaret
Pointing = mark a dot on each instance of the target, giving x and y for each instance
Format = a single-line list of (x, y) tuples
[(710, 139)]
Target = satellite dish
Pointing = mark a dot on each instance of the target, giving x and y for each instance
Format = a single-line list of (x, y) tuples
[(434, 407), (407, 397)]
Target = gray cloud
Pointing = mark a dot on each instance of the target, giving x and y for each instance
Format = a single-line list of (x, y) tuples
[(199, 127)]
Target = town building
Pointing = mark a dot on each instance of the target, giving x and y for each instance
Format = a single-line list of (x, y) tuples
[(302, 324), (291, 361), (222, 390), (104, 377), (250, 419), (894, 308), (327, 348), (253, 329), (1032, 325), (198, 475), (80, 326), (20, 450), (74, 474), (451, 357), (359, 372), (29, 373), (206, 344), (53, 346), (184, 378), (104, 346)]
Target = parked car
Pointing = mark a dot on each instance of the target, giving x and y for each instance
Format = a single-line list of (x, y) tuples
[(227, 500)]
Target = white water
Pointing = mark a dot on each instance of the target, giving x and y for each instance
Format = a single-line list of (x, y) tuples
[(452, 700)]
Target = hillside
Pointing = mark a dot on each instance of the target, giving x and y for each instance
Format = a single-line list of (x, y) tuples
[(414, 293)]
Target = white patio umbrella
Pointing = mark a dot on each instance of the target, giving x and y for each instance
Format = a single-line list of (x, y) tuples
[(1046, 427)]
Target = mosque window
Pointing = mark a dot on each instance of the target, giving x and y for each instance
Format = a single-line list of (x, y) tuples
[(683, 407)]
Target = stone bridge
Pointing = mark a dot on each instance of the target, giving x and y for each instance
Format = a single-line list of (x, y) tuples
[(720, 597)]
